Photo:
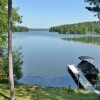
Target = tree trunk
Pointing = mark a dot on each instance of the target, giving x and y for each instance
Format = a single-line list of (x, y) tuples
[(11, 79)]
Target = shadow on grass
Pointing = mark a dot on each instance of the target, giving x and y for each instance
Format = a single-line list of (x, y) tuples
[(61, 94), (1, 94)]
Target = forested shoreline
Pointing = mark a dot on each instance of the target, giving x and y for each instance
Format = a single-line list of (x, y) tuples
[(38, 29), (78, 28), (20, 29)]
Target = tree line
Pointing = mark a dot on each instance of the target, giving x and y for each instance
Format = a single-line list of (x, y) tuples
[(78, 28), (20, 29)]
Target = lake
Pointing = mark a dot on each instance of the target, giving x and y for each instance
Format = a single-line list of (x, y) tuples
[(46, 56)]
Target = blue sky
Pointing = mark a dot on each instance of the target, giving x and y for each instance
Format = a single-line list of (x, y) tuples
[(47, 13)]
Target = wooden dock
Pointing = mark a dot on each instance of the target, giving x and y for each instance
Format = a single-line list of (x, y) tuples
[(78, 74)]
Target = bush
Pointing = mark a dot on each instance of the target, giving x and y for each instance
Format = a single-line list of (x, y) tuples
[(17, 65)]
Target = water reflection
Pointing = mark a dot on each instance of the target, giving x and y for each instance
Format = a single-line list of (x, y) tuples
[(84, 39), (62, 81), (46, 57)]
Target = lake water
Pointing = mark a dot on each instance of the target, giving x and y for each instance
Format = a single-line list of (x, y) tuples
[(46, 56)]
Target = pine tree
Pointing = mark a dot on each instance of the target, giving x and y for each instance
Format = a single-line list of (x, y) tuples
[(94, 7)]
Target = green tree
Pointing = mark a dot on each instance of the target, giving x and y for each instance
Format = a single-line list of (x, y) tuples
[(4, 17), (10, 61), (94, 7), (20, 29), (7, 13), (78, 28), (17, 64)]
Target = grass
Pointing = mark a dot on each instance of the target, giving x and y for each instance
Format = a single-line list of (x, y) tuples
[(26, 92)]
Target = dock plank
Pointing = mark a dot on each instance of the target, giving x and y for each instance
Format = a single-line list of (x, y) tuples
[(86, 84)]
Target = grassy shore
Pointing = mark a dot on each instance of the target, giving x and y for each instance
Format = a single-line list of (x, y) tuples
[(26, 92)]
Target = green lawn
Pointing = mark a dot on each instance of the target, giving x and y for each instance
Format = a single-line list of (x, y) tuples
[(25, 92)]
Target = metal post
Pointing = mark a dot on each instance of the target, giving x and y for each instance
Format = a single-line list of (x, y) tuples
[(78, 83)]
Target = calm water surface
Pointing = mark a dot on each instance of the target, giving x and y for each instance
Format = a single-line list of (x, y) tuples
[(46, 56)]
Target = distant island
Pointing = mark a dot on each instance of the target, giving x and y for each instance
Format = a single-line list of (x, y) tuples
[(40, 29), (26, 29), (78, 28)]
